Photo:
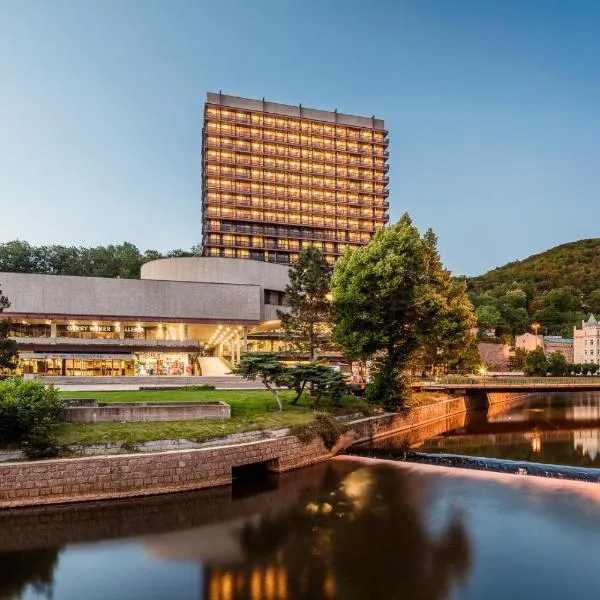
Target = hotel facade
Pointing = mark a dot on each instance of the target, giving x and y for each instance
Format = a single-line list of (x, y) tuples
[(185, 316), (279, 178)]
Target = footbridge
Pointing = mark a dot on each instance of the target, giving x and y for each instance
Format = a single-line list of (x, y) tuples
[(475, 386)]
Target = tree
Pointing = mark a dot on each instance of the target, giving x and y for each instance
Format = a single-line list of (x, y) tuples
[(325, 382), (306, 294), (518, 360), (536, 363), (557, 364), (488, 316), (8, 347), (390, 298), (264, 366)]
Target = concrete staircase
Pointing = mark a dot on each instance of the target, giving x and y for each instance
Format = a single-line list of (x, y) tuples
[(212, 366)]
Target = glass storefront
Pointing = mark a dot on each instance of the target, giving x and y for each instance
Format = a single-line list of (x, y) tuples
[(158, 363), (108, 365)]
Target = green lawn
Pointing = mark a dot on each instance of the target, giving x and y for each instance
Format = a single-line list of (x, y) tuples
[(250, 410)]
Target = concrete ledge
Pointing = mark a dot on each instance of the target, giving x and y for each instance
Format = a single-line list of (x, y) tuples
[(130, 412)]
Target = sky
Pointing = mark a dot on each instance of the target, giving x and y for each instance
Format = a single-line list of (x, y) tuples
[(493, 109)]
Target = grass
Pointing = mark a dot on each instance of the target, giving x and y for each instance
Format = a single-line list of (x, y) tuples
[(251, 410), (425, 398)]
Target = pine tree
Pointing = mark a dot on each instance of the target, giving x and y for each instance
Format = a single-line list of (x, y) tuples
[(307, 296)]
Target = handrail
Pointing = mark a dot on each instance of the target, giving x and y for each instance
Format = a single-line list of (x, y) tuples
[(529, 382)]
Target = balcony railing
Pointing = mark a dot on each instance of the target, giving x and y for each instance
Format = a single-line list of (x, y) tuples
[(247, 147), (319, 172), (260, 124)]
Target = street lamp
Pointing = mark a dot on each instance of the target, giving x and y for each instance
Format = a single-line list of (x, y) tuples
[(482, 372), (535, 327)]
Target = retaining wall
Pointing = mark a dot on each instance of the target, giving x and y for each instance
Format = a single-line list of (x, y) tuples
[(95, 478), (130, 412)]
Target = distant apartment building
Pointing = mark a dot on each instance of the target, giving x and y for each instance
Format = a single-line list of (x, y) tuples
[(549, 343), (587, 342), (279, 178), (561, 345)]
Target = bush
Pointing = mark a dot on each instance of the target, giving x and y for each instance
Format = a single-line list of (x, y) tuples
[(29, 414), (199, 388), (323, 426)]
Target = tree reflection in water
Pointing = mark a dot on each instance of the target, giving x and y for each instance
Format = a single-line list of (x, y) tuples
[(361, 535), (35, 568)]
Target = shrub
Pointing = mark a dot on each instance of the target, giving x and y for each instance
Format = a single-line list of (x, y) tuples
[(200, 388), (29, 413), (323, 426)]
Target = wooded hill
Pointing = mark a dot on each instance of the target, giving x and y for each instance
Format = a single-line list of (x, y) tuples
[(556, 289)]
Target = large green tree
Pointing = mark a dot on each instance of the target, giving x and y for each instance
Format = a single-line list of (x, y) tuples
[(390, 299), (307, 297), (8, 347)]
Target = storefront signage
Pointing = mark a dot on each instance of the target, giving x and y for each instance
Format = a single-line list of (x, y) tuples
[(60, 355), (103, 328), (94, 328)]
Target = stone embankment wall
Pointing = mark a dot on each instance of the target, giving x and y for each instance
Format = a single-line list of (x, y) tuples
[(95, 478)]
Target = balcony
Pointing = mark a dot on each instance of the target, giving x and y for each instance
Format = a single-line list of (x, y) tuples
[(364, 134), (287, 149)]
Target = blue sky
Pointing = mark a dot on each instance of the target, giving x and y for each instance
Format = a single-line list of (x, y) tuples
[(493, 110)]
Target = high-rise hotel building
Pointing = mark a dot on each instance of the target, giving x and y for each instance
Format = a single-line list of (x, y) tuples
[(278, 178)]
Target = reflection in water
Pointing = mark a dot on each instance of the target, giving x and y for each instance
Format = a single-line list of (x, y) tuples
[(562, 429), (18, 570), (362, 535), (352, 532), (349, 529)]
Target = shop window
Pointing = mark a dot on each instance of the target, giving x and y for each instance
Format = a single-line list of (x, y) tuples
[(29, 330)]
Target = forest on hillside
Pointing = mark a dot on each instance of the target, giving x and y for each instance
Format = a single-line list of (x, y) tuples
[(121, 260), (555, 289)]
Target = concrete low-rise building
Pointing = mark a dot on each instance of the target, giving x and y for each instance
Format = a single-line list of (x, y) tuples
[(548, 343), (587, 342), (180, 311), (528, 341)]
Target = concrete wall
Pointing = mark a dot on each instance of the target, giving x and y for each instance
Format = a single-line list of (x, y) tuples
[(119, 298), (222, 270), (130, 412), (94, 478)]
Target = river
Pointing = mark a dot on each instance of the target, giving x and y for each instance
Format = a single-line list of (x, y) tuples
[(349, 529)]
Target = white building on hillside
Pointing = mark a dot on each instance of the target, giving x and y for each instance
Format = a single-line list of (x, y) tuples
[(587, 342)]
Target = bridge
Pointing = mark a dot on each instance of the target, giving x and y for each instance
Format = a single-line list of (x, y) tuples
[(474, 385)]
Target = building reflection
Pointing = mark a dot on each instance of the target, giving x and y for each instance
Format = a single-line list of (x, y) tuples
[(360, 535)]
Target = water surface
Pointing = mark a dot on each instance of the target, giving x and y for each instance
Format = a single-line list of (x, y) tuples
[(350, 529), (557, 428)]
